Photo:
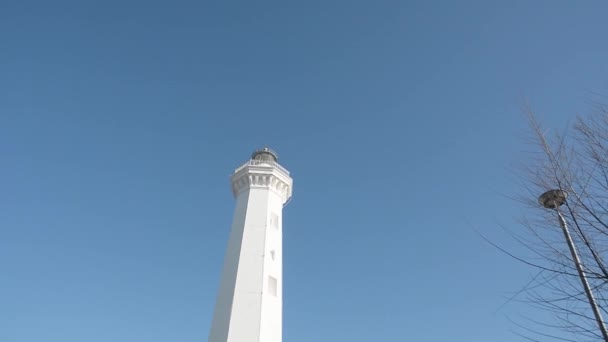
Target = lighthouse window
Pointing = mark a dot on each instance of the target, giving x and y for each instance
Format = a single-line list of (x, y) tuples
[(274, 220), (272, 285)]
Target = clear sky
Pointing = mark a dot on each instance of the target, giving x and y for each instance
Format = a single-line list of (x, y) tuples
[(121, 121)]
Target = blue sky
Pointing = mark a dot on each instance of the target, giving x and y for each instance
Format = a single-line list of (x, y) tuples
[(401, 121)]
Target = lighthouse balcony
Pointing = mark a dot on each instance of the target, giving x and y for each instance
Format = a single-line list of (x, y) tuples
[(258, 162)]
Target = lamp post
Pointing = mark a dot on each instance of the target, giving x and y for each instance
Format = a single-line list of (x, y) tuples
[(553, 199)]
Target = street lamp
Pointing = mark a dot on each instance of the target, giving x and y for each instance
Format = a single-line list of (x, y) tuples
[(553, 199)]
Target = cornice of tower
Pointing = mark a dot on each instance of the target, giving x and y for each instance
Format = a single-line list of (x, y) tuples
[(264, 175)]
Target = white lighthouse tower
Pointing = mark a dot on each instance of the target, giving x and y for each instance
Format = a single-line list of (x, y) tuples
[(249, 305)]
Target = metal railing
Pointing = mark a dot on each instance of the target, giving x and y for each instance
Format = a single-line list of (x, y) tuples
[(256, 162)]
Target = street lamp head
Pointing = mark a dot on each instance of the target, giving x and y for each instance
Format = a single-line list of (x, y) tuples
[(553, 198)]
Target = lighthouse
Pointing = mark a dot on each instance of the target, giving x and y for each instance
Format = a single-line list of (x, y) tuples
[(249, 306)]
